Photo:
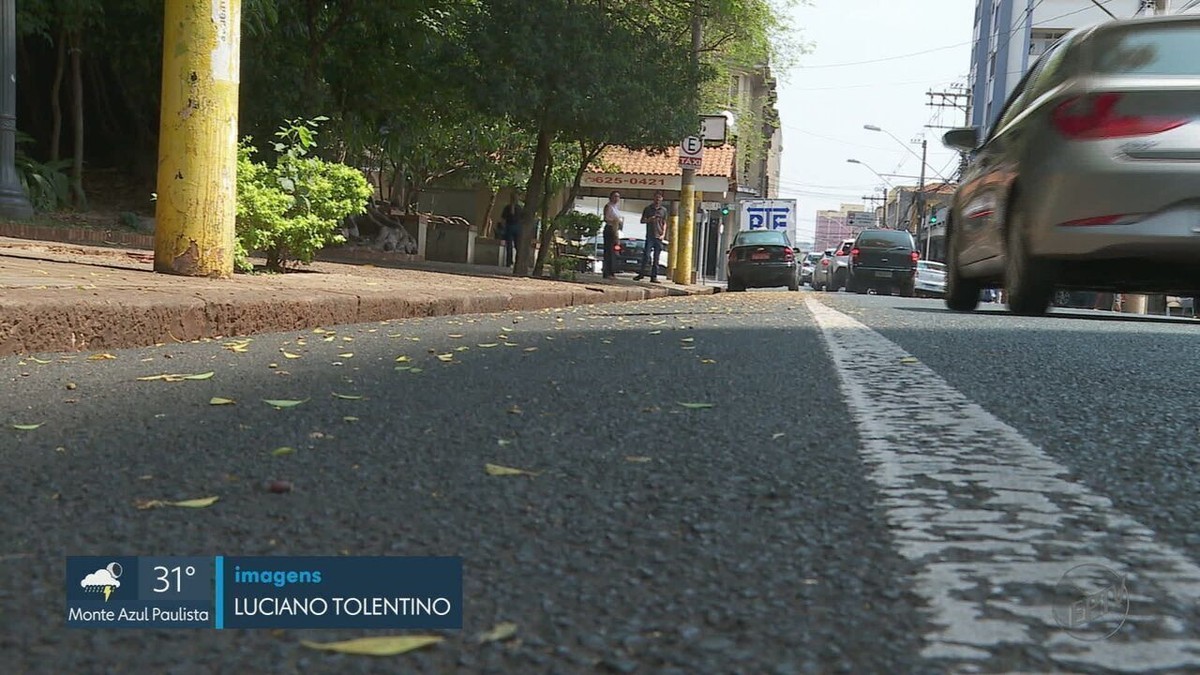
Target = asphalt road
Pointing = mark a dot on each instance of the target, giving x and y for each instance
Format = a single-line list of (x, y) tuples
[(774, 532)]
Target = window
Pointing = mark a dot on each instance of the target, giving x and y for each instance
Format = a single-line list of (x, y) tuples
[(1157, 50), (884, 239), (1018, 98), (761, 238)]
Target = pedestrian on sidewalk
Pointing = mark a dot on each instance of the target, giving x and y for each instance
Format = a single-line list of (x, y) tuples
[(512, 229), (654, 216), (612, 233)]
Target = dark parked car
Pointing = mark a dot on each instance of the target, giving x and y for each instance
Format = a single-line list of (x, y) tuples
[(629, 257), (762, 259), (885, 260)]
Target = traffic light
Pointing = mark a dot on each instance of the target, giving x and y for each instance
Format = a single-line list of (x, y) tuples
[(933, 218), (724, 209)]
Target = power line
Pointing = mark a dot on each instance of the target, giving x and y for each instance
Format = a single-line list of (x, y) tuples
[(1114, 16)]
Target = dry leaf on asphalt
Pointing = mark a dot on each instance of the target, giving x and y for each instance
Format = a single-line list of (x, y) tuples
[(696, 406), (289, 355), (348, 397), (464, 348), (179, 377), (909, 359), (285, 450), (349, 418), (200, 503), (37, 360), (498, 470), (217, 400), (283, 403), (687, 339), (454, 335), (503, 442), (27, 427), (656, 332), (239, 347), (100, 357), (500, 632), (637, 459), (402, 359), (445, 358), (778, 435), (376, 646), (708, 360), (346, 355), (531, 349), (515, 410), (489, 345)]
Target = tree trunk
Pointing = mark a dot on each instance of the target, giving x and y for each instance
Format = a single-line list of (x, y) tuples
[(56, 97), (533, 190), (549, 227), (80, 197), (486, 229)]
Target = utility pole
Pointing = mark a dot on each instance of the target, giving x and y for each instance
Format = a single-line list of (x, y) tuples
[(923, 223), (875, 198), (197, 142), (14, 204), (684, 272)]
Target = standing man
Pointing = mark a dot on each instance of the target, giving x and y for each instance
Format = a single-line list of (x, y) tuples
[(654, 217), (612, 234), (512, 229)]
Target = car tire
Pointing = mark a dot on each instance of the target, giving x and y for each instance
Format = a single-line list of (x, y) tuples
[(1028, 281), (962, 294), (794, 285), (734, 286)]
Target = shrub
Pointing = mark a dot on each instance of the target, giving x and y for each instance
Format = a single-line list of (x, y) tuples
[(291, 210)]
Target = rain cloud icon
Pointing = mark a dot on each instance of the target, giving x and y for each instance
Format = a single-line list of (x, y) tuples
[(103, 581)]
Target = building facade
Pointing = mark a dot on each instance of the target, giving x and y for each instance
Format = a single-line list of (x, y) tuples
[(1009, 35), (833, 227)]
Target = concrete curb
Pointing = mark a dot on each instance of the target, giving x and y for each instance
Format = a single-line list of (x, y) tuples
[(58, 324), (78, 235)]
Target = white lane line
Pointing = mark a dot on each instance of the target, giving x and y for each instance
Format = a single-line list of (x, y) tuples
[(996, 527)]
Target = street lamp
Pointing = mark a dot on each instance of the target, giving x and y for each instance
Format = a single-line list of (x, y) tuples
[(923, 225), (908, 147), (881, 177), (14, 204)]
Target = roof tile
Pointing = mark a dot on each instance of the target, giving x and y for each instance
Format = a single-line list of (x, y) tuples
[(717, 161)]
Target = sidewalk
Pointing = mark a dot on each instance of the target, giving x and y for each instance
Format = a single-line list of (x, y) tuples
[(68, 297)]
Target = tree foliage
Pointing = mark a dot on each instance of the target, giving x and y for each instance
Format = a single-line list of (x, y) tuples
[(419, 93)]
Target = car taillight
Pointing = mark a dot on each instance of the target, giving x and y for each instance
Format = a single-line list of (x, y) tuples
[(788, 254), (915, 256), (825, 262), (1096, 117), (616, 248)]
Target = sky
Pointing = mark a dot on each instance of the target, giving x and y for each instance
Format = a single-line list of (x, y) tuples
[(827, 97)]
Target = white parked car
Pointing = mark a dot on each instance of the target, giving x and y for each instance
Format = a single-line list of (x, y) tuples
[(930, 279)]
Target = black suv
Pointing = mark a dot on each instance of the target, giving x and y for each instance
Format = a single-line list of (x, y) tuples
[(885, 260)]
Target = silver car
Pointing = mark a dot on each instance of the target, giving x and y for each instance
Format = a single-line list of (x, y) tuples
[(930, 279), (822, 274), (1090, 178)]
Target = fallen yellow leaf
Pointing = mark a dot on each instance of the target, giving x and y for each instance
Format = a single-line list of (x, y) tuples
[(777, 435), (348, 418), (708, 360), (402, 359), (497, 470), (531, 349), (909, 359), (346, 355), (637, 459), (696, 406), (283, 403), (501, 631), (100, 357), (489, 345), (348, 397), (289, 355), (217, 400), (454, 335), (200, 503), (687, 339), (179, 377), (285, 450), (27, 427), (445, 357), (656, 332), (376, 646), (37, 360)]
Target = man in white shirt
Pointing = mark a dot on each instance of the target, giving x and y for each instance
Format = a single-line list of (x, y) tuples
[(612, 233)]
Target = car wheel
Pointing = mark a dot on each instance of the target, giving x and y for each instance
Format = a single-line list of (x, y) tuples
[(839, 281), (734, 286), (962, 294), (907, 290), (794, 285), (1028, 281)]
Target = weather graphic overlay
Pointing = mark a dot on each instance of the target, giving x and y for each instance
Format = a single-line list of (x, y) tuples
[(149, 592), (218, 592)]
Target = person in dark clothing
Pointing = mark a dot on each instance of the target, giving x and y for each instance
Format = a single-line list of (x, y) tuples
[(612, 234), (512, 230), (655, 218)]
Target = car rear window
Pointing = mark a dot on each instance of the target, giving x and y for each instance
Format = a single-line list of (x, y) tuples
[(884, 239), (1149, 50), (764, 238)]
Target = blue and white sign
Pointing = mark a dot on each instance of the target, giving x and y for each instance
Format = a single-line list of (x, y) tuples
[(770, 214)]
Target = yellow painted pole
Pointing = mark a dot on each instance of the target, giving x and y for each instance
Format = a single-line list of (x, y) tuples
[(687, 208), (197, 142), (672, 243)]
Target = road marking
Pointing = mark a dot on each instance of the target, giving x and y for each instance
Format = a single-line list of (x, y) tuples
[(994, 525)]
